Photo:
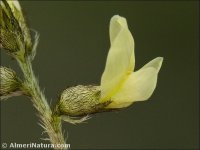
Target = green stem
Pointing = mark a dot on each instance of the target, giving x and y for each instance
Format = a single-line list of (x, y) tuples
[(50, 122)]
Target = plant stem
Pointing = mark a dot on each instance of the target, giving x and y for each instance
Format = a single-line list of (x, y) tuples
[(50, 122)]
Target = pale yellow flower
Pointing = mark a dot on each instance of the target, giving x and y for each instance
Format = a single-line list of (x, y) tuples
[(120, 85), (119, 82)]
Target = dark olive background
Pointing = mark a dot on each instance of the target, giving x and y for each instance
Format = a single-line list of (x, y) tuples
[(73, 47)]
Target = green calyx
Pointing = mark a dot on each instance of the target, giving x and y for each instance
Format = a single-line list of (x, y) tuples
[(15, 35), (80, 101), (10, 83)]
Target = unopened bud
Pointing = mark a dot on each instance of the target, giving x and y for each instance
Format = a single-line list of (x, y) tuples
[(19, 16), (15, 34), (10, 84)]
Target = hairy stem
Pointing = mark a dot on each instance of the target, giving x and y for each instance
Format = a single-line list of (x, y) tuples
[(50, 122)]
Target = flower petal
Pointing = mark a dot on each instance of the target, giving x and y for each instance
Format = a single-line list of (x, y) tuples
[(120, 61), (155, 63), (116, 24), (14, 5), (139, 86)]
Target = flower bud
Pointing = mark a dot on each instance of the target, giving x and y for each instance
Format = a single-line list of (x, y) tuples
[(18, 14), (15, 34), (10, 84), (79, 101)]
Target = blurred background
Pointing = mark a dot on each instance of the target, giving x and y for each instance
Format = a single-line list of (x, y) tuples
[(73, 46)]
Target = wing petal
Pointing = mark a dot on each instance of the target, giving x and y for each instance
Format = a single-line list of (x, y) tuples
[(139, 86)]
